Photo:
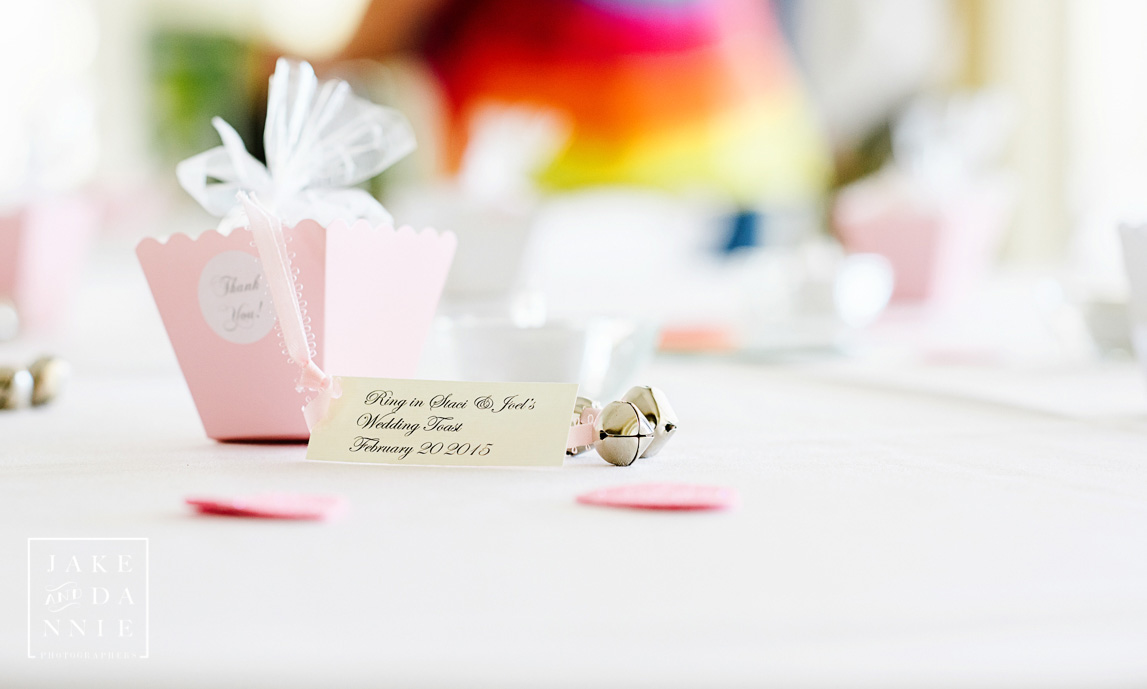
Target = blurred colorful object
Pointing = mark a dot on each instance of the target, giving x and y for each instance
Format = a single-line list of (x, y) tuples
[(667, 93)]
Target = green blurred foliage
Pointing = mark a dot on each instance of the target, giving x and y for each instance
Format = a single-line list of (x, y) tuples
[(195, 77)]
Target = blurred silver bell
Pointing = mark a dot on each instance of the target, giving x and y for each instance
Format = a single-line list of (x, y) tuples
[(15, 388), (49, 376), (623, 433), (654, 405), (580, 406)]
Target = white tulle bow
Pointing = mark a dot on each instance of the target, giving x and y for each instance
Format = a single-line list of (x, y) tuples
[(320, 139)]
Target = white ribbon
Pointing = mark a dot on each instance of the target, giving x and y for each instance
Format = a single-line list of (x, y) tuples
[(320, 140)]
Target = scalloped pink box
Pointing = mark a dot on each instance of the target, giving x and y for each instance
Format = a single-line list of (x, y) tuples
[(43, 245), (937, 249), (369, 296)]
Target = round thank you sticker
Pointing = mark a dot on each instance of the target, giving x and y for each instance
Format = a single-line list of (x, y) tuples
[(234, 299)]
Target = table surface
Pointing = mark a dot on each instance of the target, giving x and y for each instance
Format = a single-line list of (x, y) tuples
[(911, 526)]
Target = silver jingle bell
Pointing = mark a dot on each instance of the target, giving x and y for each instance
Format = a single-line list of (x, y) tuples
[(15, 388), (49, 376), (580, 406), (623, 433), (654, 405)]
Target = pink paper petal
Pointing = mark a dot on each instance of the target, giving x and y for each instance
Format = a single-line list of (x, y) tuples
[(273, 506), (662, 496)]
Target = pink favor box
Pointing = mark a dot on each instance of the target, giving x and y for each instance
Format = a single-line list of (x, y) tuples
[(42, 249), (937, 249), (368, 297)]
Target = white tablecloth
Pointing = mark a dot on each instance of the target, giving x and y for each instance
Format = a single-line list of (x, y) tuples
[(943, 526)]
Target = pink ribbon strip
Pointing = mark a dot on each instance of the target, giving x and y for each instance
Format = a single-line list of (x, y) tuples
[(581, 434), (585, 431), (267, 230)]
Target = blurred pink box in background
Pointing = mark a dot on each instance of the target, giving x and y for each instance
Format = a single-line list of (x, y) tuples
[(938, 246), (43, 244), (368, 297)]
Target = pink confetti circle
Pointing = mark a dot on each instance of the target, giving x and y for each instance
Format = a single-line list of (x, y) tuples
[(662, 496), (273, 506)]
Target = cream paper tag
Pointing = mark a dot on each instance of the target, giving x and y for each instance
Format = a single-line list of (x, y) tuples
[(394, 421)]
